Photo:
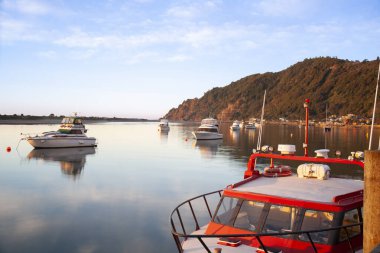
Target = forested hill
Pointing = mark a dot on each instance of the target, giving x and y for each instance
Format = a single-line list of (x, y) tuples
[(346, 86)]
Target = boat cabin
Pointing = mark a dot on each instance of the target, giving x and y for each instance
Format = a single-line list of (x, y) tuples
[(72, 125)]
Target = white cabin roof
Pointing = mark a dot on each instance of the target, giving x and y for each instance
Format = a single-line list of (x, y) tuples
[(209, 121), (309, 189)]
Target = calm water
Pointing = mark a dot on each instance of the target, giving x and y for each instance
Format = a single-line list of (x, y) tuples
[(118, 197)]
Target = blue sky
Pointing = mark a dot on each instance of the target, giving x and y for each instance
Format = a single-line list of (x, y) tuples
[(140, 58)]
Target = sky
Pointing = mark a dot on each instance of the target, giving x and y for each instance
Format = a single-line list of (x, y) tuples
[(140, 58)]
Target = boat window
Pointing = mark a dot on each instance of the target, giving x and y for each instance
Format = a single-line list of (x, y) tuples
[(227, 210), (281, 219), (314, 220), (249, 215), (350, 217), (75, 131), (78, 121), (67, 121), (212, 130)]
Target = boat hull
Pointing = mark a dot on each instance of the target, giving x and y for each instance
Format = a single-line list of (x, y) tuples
[(61, 142), (163, 128), (199, 135)]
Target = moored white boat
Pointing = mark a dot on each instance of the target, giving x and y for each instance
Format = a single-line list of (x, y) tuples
[(70, 134), (250, 125), (235, 125), (208, 130), (164, 125)]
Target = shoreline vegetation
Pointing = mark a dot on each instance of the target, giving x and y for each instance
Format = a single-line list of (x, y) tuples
[(37, 120)]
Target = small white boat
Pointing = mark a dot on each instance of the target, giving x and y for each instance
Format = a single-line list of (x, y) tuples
[(164, 125), (70, 134), (235, 125), (250, 124), (208, 130)]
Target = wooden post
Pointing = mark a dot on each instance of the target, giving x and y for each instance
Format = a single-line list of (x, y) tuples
[(371, 213)]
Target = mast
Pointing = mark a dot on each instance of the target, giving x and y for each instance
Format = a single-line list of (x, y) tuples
[(374, 109), (306, 106), (261, 123)]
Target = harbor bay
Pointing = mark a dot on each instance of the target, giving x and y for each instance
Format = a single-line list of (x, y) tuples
[(117, 197)]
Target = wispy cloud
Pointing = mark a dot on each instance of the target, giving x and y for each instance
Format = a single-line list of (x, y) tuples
[(31, 7), (192, 9), (50, 54), (284, 8)]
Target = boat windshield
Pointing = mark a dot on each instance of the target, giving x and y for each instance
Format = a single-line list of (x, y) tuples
[(206, 129), (67, 121), (262, 217)]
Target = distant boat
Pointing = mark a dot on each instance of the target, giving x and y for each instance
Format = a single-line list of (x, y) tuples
[(208, 130), (250, 124), (71, 133), (164, 125), (235, 125)]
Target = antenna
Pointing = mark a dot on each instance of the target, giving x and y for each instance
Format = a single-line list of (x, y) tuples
[(374, 109), (261, 123)]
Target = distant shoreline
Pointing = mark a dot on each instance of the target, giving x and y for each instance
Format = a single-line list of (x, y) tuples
[(55, 121)]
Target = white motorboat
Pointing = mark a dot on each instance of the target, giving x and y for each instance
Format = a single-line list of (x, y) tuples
[(235, 125), (70, 134), (164, 125), (208, 130), (250, 124)]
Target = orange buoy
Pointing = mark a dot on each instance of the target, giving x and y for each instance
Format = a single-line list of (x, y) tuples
[(9, 149)]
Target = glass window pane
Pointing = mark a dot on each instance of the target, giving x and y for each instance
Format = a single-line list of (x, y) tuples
[(249, 215), (227, 211), (280, 219), (315, 220), (350, 217)]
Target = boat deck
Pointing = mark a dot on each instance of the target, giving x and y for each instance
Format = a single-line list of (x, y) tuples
[(192, 245), (308, 189)]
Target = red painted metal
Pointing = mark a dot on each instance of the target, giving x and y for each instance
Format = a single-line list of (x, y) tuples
[(251, 163), (286, 245), (348, 204)]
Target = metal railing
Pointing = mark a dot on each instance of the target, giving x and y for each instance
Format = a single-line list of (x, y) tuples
[(184, 235)]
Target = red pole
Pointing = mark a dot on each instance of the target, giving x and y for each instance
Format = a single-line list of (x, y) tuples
[(306, 105)]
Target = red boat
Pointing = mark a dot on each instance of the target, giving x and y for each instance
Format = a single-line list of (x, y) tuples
[(283, 208)]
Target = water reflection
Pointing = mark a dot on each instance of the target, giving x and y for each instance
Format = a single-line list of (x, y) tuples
[(71, 160), (235, 136), (163, 136), (208, 148)]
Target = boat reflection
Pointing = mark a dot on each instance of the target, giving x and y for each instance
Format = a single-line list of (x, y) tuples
[(163, 136), (208, 148), (235, 136), (71, 160)]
